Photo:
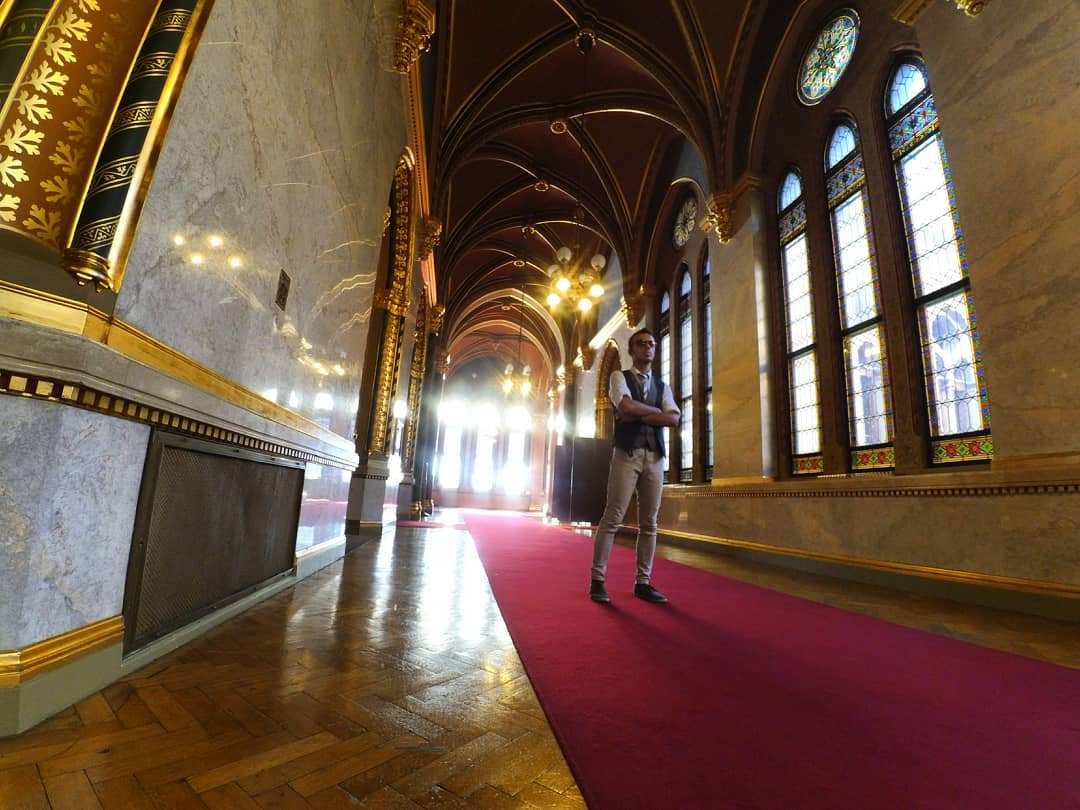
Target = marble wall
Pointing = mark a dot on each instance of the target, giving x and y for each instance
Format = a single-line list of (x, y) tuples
[(280, 156), (740, 329), (66, 516), (1007, 92)]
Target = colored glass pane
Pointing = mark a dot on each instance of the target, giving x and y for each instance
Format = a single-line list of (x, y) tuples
[(790, 190), (686, 390), (868, 393), (854, 262), (928, 211), (800, 314), (952, 375), (828, 57), (907, 83), (804, 404), (841, 144)]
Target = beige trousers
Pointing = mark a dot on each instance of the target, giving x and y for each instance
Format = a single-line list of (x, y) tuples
[(643, 471)]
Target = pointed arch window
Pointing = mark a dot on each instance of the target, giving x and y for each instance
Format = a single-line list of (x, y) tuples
[(706, 311), (800, 349), (956, 396), (686, 380), (665, 366), (866, 368)]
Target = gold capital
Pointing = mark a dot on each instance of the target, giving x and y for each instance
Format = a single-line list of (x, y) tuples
[(720, 206), (909, 11), (415, 25), (430, 232), (438, 313)]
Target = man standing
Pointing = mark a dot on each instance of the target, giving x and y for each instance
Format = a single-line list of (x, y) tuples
[(643, 406)]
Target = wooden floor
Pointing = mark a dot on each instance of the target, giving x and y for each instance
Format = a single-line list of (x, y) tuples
[(387, 680)]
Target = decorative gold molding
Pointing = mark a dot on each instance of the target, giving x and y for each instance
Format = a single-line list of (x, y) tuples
[(851, 490), (588, 357), (79, 318), (947, 574), (719, 218), (909, 11), (48, 389), (430, 232), (415, 25), (19, 666)]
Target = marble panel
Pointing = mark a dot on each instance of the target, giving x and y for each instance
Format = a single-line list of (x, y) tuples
[(71, 515), (280, 157), (737, 406), (1025, 536), (322, 506), (1006, 91)]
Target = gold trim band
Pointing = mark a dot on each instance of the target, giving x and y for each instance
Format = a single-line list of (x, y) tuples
[(929, 572), (79, 318), (19, 666)]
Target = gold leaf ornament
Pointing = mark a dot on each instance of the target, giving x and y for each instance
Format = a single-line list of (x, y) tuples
[(34, 107), (72, 25), (57, 190), (20, 139), (9, 204), (86, 6), (59, 50), (11, 171), (46, 80), (46, 224), (67, 157)]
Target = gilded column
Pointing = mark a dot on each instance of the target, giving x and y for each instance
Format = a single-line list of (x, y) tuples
[(416, 385), (57, 112), (99, 247), (395, 300)]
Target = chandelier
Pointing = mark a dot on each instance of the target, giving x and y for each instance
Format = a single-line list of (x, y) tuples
[(517, 376), (572, 281), (578, 286)]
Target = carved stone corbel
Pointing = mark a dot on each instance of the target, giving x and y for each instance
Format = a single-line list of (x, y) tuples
[(588, 357), (430, 233), (415, 25), (633, 307), (441, 361), (721, 207)]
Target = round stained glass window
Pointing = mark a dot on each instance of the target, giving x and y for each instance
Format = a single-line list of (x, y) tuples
[(828, 57)]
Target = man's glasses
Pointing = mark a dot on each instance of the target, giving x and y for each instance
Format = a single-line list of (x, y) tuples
[(645, 343)]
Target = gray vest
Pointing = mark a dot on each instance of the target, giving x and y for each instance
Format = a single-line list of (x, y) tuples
[(631, 435)]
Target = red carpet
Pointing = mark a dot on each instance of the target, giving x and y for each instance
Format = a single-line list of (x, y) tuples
[(733, 696)]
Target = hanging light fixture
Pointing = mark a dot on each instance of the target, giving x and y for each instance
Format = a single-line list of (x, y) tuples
[(572, 280), (517, 376)]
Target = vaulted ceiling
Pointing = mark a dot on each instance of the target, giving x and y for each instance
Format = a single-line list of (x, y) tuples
[(539, 140)]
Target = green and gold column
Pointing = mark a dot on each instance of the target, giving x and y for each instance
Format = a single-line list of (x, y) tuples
[(102, 238), (20, 22)]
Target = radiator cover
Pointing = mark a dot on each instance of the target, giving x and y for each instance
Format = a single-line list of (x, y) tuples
[(213, 523)]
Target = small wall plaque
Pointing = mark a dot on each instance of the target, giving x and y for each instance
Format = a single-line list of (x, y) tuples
[(282, 296)]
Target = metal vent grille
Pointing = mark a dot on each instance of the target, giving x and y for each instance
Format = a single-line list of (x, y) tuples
[(210, 528)]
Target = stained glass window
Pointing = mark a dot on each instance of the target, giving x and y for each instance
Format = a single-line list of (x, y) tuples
[(865, 360), (686, 381), (955, 388), (828, 57), (707, 348), (799, 312), (665, 365)]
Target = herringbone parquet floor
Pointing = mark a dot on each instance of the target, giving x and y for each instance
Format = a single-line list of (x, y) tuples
[(387, 680)]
